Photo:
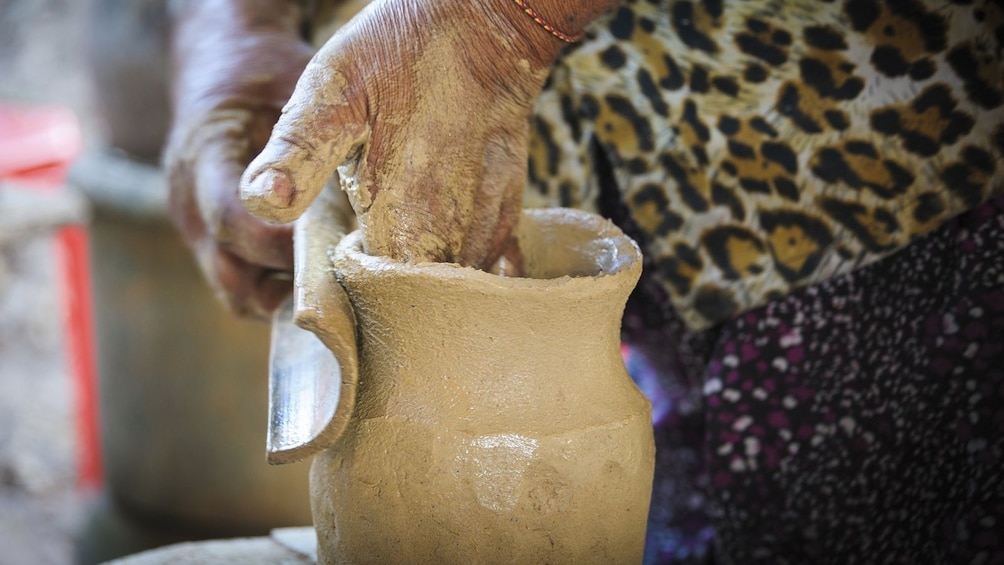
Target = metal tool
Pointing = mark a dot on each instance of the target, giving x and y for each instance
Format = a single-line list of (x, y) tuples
[(313, 363)]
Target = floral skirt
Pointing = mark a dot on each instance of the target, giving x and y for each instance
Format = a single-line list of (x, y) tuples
[(860, 420)]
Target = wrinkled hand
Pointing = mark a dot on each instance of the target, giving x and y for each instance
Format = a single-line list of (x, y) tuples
[(236, 63), (423, 109)]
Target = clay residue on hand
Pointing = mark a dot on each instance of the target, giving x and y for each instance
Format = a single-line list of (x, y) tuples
[(449, 189)]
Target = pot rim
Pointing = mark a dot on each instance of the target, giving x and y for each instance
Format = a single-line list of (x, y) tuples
[(608, 247)]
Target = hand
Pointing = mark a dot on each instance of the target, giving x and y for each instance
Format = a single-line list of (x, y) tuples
[(423, 108), (236, 63)]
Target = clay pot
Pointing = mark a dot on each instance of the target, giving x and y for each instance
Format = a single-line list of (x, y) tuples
[(494, 421)]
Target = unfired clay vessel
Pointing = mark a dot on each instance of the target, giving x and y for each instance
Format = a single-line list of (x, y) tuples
[(494, 421)]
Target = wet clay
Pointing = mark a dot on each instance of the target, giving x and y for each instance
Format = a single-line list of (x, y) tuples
[(494, 420)]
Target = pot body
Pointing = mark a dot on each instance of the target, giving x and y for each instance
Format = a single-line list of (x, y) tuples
[(495, 422)]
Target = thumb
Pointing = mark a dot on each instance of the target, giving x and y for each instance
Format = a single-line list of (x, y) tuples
[(321, 124)]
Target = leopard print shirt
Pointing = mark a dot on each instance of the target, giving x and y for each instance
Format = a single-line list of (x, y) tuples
[(763, 146)]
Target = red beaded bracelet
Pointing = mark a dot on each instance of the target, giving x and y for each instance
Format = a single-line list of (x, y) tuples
[(544, 23)]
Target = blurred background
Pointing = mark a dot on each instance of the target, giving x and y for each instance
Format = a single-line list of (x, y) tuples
[(133, 409), (40, 507)]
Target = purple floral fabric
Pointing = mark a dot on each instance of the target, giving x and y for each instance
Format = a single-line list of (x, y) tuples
[(860, 420)]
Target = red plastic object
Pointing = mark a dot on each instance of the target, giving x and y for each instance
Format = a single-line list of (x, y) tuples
[(37, 146)]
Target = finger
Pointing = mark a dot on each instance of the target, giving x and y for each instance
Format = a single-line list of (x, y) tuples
[(245, 289), (497, 202), (217, 177), (320, 125), (181, 205)]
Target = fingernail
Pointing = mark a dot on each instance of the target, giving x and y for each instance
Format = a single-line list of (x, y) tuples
[(270, 187)]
